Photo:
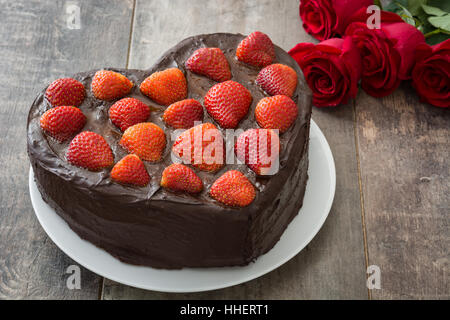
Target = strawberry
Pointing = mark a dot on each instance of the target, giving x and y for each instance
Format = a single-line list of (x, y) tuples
[(183, 114), (277, 79), (128, 112), (233, 189), (90, 150), (277, 112), (178, 177), (146, 140), (110, 85), (259, 150), (228, 102), (165, 87), (62, 122), (202, 146), (210, 62), (130, 170), (257, 50), (65, 92)]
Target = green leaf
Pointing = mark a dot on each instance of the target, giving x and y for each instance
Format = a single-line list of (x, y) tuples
[(433, 11), (437, 38), (442, 22), (414, 6), (444, 5), (406, 15)]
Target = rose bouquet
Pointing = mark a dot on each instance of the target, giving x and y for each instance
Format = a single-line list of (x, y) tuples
[(378, 49)]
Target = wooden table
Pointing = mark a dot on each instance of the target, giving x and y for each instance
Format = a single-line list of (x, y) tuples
[(391, 207)]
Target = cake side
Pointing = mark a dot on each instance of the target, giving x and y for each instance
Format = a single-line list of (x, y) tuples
[(151, 226)]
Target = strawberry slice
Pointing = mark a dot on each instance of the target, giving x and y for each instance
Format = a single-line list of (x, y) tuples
[(130, 170), (90, 150), (210, 62), (110, 85), (259, 150), (228, 102), (165, 87), (128, 112), (62, 122), (233, 189), (277, 112), (65, 92), (183, 114), (146, 140), (257, 50), (202, 146), (277, 79), (178, 177)]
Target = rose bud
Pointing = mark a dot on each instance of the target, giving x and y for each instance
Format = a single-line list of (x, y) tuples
[(332, 69), (431, 73), (387, 53), (324, 19)]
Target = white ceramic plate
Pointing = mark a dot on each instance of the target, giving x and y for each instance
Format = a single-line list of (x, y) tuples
[(317, 203)]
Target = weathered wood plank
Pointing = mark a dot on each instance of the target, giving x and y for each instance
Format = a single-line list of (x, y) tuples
[(36, 47), (332, 266), (404, 151)]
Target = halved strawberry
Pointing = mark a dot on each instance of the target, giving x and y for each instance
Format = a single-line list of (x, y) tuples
[(278, 79), (183, 114), (228, 102), (146, 140), (257, 50), (128, 112), (110, 85), (165, 87), (259, 149), (210, 62), (202, 146), (90, 150), (62, 122), (65, 92), (233, 189), (130, 170), (178, 177), (277, 112)]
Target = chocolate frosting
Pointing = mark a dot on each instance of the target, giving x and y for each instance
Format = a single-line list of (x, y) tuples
[(159, 228)]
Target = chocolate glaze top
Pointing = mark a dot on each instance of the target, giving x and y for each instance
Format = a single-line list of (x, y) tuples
[(51, 154)]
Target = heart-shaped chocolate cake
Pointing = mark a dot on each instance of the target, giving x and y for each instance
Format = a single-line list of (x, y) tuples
[(199, 161)]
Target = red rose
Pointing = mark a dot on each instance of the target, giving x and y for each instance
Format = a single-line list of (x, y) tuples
[(332, 69), (324, 19), (387, 53), (431, 73)]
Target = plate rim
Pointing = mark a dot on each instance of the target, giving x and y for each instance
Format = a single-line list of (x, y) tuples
[(331, 165)]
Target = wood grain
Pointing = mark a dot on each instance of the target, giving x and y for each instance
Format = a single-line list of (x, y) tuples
[(404, 154), (37, 47), (332, 266)]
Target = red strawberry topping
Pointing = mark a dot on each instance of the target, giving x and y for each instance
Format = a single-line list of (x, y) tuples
[(202, 146), (183, 114), (90, 150), (277, 112), (278, 79), (178, 177), (130, 170), (65, 92), (146, 140), (210, 62), (228, 102), (110, 85), (259, 150), (128, 112), (257, 50), (62, 122), (233, 189), (165, 87)]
